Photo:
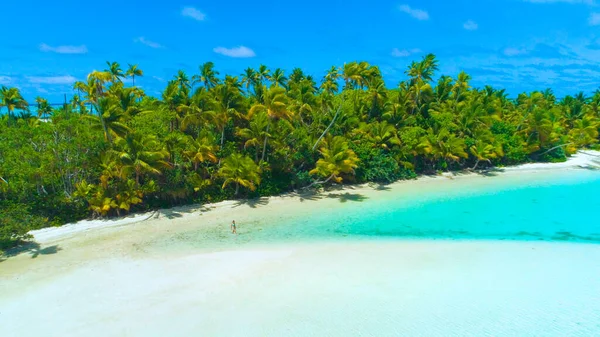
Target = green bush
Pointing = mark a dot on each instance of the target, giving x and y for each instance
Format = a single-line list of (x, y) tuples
[(15, 222), (377, 166)]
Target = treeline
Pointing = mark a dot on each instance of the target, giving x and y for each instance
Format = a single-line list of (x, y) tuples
[(209, 137)]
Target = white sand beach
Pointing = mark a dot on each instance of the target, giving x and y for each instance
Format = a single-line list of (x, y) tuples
[(137, 276)]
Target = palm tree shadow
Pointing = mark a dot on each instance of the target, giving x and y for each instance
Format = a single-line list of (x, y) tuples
[(32, 248), (345, 197), (252, 203), (310, 195), (382, 187)]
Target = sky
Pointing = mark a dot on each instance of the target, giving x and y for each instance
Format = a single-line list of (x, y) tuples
[(519, 45)]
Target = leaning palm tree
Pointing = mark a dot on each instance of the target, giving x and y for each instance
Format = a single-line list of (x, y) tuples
[(134, 71), (483, 151), (140, 155), (240, 170), (12, 99), (337, 158), (109, 119)]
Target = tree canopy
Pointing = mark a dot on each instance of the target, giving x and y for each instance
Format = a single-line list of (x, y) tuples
[(112, 149)]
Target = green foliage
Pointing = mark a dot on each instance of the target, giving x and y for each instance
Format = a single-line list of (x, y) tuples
[(15, 221), (114, 150), (377, 166)]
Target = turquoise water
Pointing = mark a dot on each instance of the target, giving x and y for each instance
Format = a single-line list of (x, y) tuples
[(560, 207)]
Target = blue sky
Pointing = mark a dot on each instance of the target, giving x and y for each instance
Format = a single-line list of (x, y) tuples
[(520, 45)]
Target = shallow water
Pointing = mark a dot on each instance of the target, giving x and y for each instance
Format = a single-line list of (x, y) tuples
[(559, 206), (514, 255)]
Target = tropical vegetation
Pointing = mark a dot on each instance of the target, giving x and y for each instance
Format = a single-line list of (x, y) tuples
[(113, 149)]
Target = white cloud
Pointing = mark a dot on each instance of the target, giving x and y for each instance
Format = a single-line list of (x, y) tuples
[(418, 14), (51, 79), (193, 13), (148, 43), (64, 49), (587, 2), (514, 51), (405, 52), (470, 25), (240, 51), (5, 80), (594, 19), (160, 79)]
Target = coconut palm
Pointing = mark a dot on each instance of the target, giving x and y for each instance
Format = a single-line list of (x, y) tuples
[(202, 149), (275, 105), (109, 119), (249, 78), (278, 78), (140, 155), (337, 158), (263, 74), (442, 145), (483, 151), (256, 133), (207, 76), (134, 71), (43, 107), (12, 99), (240, 170), (182, 80), (115, 71)]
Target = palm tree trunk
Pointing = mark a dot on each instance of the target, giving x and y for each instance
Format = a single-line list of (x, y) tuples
[(265, 142), (222, 137), (133, 79), (237, 188), (106, 132)]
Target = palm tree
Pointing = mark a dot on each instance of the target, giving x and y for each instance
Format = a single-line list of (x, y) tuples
[(12, 99), (208, 76), (255, 134), (249, 78), (278, 78), (337, 158), (442, 145), (140, 155), (109, 119), (264, 74), (114, 69), (134, 71), (240, 170), (275, 105), (182, 80), (43, 109), (330, 81), (202, 150), (483, 151)]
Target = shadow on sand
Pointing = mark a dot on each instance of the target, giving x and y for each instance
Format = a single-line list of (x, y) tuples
[(32, 248), (252, 203)]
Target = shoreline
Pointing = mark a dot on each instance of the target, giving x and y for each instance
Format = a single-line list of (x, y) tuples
[(143, 274), (582, 160)]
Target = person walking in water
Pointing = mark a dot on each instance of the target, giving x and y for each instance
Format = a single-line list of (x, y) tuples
[(233, 229)]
